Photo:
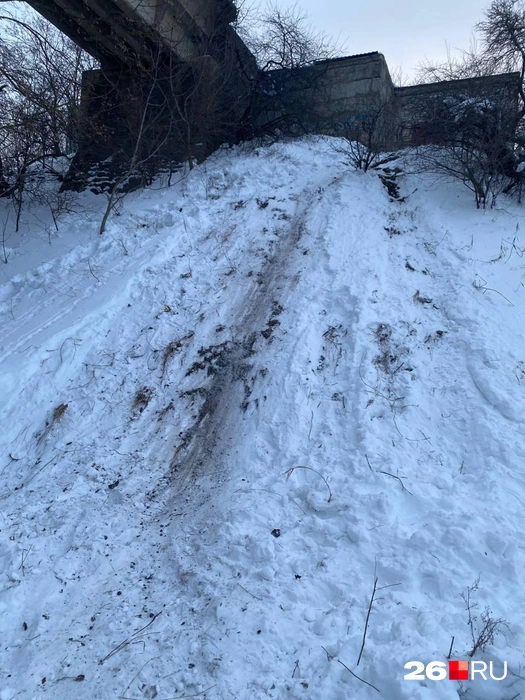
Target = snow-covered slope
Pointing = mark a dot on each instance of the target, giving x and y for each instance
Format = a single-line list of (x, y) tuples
[(262, 391)]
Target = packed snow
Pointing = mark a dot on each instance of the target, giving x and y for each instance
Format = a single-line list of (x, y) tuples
[(264, 438)]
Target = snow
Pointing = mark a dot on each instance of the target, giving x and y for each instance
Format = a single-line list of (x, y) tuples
[(261, 390)]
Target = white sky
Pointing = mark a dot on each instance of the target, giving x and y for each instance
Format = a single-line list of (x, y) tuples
[(406, 32)]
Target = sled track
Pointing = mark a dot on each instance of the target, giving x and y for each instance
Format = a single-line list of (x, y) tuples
[(211, 437)]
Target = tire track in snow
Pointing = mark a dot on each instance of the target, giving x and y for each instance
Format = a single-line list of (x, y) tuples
[(212, 434)]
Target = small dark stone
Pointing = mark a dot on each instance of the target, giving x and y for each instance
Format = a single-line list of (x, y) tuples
[(276, 532)]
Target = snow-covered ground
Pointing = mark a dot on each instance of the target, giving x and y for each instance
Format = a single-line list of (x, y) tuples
[(261, 392)]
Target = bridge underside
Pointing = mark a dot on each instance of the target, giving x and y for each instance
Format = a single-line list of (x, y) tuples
[(120, 32)]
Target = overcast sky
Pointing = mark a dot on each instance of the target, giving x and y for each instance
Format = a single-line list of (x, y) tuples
[(406, 31)]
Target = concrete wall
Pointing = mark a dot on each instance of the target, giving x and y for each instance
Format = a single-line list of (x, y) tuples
[(415, 103), (185, 49), (328, 96), (325, 90), (348, 83), (183, 111), (193, 39), (338, 95)]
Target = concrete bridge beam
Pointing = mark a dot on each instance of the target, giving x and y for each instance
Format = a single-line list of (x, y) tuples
[(123, 31)]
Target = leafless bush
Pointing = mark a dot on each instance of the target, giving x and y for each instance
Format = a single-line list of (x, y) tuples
[(367, 135), (483, 630), (467, 136)]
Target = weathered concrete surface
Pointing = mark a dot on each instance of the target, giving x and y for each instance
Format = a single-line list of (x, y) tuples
[(349, 83), (311, 97), (413, 103), (184, 112), (326, 96)]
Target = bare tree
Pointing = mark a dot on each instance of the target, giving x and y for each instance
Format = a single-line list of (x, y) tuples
[(469, 63), (290, 54), (136, 160), (489, 152), (503, 35), (500, 48), (40, 76), (283, 38)]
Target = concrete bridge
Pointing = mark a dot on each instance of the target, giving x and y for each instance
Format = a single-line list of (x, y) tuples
[(176, 81), (175, 78)]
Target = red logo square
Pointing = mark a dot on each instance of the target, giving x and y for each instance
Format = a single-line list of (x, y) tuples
[(458, 670)]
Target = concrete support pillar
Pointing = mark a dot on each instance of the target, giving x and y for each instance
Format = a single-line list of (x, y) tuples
[(126, 125), (140, 119)]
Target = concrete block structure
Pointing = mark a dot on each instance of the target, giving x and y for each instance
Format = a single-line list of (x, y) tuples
[(334, 94), (325, 92), (176, 81), (345, 84)]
